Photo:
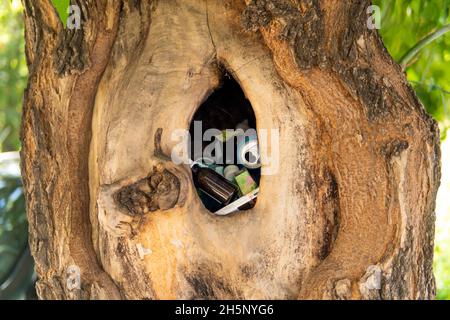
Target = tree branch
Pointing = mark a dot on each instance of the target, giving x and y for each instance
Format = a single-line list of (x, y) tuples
[(421, 44)]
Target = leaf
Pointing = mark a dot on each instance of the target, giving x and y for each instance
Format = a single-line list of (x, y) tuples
[(62, 9)]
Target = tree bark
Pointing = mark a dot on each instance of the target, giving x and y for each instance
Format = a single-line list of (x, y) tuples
[(350, 215)]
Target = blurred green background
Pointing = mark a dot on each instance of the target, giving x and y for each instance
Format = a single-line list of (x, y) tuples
[(13, 73), (404, 23)]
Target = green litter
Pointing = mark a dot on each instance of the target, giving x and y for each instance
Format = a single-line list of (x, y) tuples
[(245, 182)]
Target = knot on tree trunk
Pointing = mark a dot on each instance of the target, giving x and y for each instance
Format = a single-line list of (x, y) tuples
[(158, 191)]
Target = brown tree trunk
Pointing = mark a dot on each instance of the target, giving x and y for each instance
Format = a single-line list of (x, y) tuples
[(350, 214)]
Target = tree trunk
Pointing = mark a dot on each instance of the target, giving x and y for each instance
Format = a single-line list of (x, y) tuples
[(350, 214)]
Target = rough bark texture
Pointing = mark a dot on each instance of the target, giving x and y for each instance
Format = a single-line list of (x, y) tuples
[(350, 215)]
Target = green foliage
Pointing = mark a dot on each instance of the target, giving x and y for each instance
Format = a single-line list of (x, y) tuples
[(406, 22), (62, 6), (13, 224), (13, 73), (442, 268)]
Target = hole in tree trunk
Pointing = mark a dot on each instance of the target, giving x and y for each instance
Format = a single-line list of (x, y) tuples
[(224, 148)]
